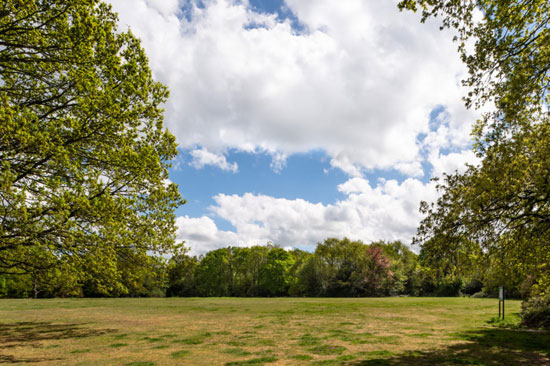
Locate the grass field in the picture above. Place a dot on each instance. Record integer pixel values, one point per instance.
(291, 331)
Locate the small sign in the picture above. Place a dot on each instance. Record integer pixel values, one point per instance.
(501, 293)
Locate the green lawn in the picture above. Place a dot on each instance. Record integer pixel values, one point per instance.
(289, 331)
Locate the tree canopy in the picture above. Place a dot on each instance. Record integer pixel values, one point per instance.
(498, 212)
(83, 150)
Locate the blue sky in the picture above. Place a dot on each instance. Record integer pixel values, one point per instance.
(308, 176)
(299, 120)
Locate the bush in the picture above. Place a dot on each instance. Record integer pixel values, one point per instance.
(479, 295)
(535, 312)
(526, 287)
(449, 286)
(473, 286)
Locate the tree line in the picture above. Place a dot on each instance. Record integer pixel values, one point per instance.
(337, 268)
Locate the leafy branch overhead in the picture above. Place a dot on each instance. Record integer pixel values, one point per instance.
(83, 151)
(499, 210)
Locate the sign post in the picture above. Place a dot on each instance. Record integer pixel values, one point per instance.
(501, 300)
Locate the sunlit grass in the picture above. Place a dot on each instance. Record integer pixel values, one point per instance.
(291, 331)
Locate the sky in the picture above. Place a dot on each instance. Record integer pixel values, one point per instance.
(300, 120)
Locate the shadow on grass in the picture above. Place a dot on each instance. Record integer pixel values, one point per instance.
(482, 347)
(29, 334)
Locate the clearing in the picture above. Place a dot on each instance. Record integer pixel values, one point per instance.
(270, 331)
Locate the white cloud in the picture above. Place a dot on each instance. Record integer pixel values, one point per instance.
(203, 231)
(278, 161)
(345, 164)
(386, 211)
(359, 84)
(165, 7)
(453, 162)
(411, 169)
(202, 157)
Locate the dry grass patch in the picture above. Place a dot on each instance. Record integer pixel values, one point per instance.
(228, 331)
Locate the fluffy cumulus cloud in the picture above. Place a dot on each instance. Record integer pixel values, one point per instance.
(202, 157)
(370, 86)
(358, 80)
(201, 234)
(386, 211)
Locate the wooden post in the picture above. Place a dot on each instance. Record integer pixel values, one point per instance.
(501, 300)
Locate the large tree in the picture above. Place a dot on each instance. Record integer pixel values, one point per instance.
(83, 150)
(499, 211)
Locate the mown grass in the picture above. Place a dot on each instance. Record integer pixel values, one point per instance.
(295, 331)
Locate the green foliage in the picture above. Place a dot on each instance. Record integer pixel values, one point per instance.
(249, 264)
(275, 278)
(297, 273)
(310, 278)
(213, 274)
(535, 312)
(336, 268)
(472, 287)
(449, 286)
(144, 276)
(181, 269)
(407, 275)
(343, 265)
(83, 151)
(496, 215)
(509, 61)
(15, 286)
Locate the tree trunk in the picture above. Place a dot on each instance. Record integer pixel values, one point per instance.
(35, 288)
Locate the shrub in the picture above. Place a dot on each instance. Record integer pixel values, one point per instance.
(449, 286)
(526, 287)
(473, 286)
(535, 312)
(479, 295)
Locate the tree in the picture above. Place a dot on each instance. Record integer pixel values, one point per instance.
(83, 151)
(375, 277)
(311, 277)
(499, 210)
(242, 265)
(341, 261)
(181, 270)
(143, 275)
(406, 271)
(213, 274)
(298, 285)
(275, 280)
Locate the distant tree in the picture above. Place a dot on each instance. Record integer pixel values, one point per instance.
(376, 276)
(275, 280)
(297, 281)
(342, 260)
(338, 267)
(311, 278)
(83, 151)
(242, 265)
(181, 271)
(15, 286)
(255, 264)
(144, 276)
(213, 275)
(405, 268)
